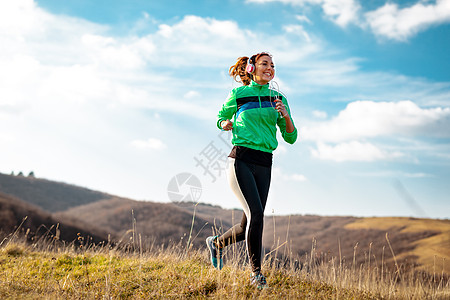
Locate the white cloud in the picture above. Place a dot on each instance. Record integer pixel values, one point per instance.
(349, 82)
(281, 175)
(352, 151)
(27, 29)
(192, 95)
(393, 174)
(151, 143)
(47, 57)
(341, 12)
(113, 53)
(198, 41)
(298, 177)
(207, 42)
(299, 30)
(64, 70)
(365, 119)
(57, 62)
(388, 21)
(303, 19)
(324, 72)
(417, 175)
(400, 24)
(49, 61)
(320, 114)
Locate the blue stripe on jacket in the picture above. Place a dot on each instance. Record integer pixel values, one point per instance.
(251, 105)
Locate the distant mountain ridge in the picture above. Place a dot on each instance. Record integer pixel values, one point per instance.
(49, 195)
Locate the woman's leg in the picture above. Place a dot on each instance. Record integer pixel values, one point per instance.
(237, 232)
(233, 235)
(251, 184)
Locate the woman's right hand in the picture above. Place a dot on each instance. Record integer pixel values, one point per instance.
(226, 125)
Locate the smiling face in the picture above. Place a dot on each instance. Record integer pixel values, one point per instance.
(264, 70)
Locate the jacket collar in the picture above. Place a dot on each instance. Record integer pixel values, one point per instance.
(255, 84)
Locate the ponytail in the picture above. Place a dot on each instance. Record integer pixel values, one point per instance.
(238, 70)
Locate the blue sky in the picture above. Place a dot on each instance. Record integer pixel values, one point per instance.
(122, 96)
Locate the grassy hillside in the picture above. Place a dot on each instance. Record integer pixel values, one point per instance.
(428, 240)
(416, 243)
(420, 244)
(49, 195)
(423, 248)
(176, 272)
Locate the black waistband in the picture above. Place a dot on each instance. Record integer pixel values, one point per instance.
(252, 156)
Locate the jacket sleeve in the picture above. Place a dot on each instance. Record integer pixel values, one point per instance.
(228, 109)
(289, 137)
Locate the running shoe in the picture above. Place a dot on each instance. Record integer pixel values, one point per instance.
(259, 281)
(216, 254)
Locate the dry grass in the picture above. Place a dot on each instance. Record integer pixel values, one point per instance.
(50, 269)
(164, 273)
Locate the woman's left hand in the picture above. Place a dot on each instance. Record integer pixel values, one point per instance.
(279, 106)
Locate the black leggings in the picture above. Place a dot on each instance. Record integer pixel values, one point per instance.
(251, 184)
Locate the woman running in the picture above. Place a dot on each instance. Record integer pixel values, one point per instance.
(252, 111)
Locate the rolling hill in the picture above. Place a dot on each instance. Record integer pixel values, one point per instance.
(16, 214)
(158, 223)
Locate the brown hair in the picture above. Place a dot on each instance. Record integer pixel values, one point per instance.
(238, 69)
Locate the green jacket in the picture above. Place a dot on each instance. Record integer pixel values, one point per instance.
(251, 108)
